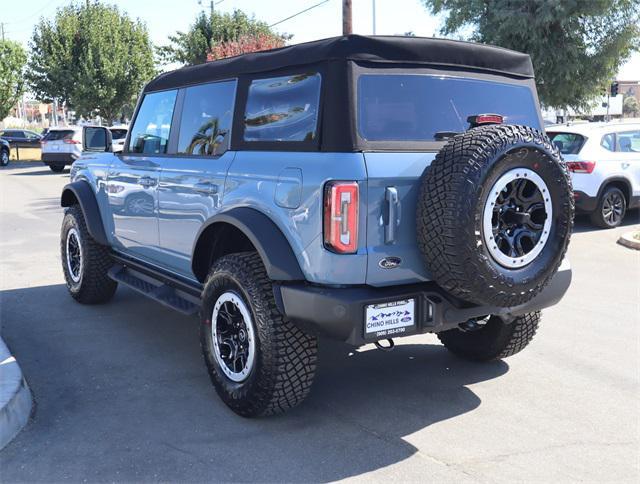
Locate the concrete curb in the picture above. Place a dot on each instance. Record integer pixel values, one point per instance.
(628, 241)
(15, 397)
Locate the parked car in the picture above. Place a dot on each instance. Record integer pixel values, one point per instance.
(604, 161)
(358, 188)
(61, 147)
(21, 138)
(118, 136)
(5, 152)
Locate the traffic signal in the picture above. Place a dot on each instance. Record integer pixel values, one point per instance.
(614, 89)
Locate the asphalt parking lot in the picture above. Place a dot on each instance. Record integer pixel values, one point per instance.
(122, 393)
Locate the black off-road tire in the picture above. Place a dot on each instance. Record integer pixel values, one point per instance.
(56, 167)
(453, 193)
(285, 357)
(494, 341)
(4, 157)
(598, 218)
(94, 286)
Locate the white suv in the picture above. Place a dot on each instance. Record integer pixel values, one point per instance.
(604, 161)
(61, 147)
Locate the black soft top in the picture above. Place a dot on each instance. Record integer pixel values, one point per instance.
(428, 52)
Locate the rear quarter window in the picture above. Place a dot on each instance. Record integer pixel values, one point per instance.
(415, 107)
(567, 143)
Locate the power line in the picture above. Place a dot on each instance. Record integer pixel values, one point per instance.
(299, 13)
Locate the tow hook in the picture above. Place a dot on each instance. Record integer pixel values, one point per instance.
(472, 324)
(382, 347)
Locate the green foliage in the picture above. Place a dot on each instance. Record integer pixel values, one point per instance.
(193, 46)
(91, 56)
(630, 107)
(12, 61)
(576, 46)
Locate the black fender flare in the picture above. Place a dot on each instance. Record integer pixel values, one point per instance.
(272, 246)
(81, 192)
(616, 179)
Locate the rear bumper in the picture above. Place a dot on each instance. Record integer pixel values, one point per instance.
(584, 202)
(58, 158)
(339, 313)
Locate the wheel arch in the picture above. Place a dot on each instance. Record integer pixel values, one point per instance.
(81, 193)
(245, 229)
(619, 182)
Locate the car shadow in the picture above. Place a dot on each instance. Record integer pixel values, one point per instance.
(121, 390)
(582, 222)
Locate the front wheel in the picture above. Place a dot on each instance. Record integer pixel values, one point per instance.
(4, 157)
(493, 340)
(56, 167)
(611, 209)
(259, 362)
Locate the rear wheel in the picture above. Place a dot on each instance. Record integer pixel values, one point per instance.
(494, 339)
(611, 209)
(259, 362)
(4, 157)
(56, 167)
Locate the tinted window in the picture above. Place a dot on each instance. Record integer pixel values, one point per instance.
(608, 142)
(150, 132)
(567, 143)
(206, 119)
(283, 108)
(58, 134)
(117, 133)
(12, 133)
(628, 142)
(426, 108)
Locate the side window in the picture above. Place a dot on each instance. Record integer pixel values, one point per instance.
(283, 108)
(150, 132)
(628, 142)
(609, 142)
(206, 119)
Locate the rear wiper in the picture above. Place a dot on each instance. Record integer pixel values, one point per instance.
(442, 135)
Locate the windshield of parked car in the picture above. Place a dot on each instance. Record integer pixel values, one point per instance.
(412, 107)
(567, 143)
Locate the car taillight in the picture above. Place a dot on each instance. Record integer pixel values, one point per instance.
(581, 166)
(482, 119)
(341, 216)
(71, 141)
(43, 142)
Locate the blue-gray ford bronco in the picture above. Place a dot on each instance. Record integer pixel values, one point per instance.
(357, 188)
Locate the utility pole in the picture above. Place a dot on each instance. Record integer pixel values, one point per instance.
(346, 17)
(2, 28)
(373, 4)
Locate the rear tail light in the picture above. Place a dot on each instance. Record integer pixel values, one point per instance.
(481, 119)
(71, 141)
(341, 217)
(581, 166)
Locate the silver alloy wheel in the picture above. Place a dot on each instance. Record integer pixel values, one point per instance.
(613, 209)
(233, 337)
(4, 161)
(517, 218)
(73, 250)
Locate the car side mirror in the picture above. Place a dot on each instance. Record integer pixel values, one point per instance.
(96, 138)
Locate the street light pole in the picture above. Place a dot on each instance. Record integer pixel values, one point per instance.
(346, 17)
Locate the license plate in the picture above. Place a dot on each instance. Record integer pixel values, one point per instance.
(389, 319)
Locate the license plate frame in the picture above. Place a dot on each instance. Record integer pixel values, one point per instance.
(390, 319)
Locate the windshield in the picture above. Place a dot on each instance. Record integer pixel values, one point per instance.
(413, 107)
(567, 143)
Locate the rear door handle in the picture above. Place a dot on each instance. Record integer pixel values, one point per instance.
(393, 214)
(206, 188)
(147, 181)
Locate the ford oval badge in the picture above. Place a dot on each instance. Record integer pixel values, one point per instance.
(390, 262)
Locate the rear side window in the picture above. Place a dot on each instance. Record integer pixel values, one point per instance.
(414, 107)
(283, 108)
(608, 142)
(150, 132)
(206, 119)
(628, 142)
(567, 143)
(58, 135)
(118, 133)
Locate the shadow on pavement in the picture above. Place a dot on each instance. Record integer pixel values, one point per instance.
(122, 394)
(582, 222)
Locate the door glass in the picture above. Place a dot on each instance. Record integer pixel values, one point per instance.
(282, 108)
(629, 142)
(206, 119)
(150, 133)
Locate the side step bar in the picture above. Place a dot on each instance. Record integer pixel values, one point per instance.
(182, 298)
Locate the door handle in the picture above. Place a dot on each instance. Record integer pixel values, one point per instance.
(393, 214)
(147, 181)
(206, 188)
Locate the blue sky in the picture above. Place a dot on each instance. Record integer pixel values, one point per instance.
(164, 17)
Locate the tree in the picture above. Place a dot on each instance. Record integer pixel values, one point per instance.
(211, 29)
(243, 45)
(576, 46)
(92, 57)
(12, 61)
(630, 107)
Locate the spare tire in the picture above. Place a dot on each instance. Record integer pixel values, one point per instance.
(495, 214)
